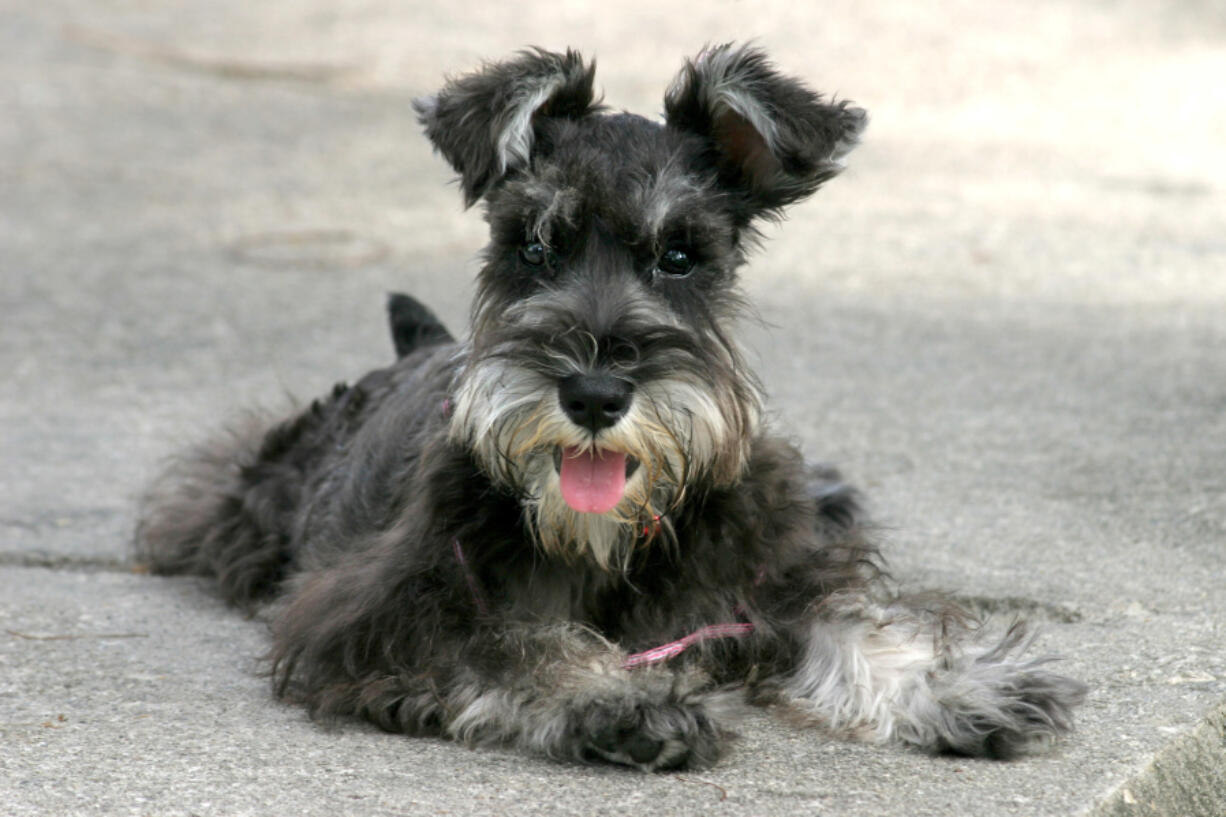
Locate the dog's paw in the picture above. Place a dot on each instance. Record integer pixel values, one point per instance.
(1031, 708)
(651, 736)
(996, 705)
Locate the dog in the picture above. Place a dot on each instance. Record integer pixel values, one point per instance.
(572, 532)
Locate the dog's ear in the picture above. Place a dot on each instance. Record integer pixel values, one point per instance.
(483, 122)
(776, 141)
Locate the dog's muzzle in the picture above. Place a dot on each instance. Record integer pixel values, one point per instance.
(594, 480)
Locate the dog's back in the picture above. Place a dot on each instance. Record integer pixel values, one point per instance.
(262, 497)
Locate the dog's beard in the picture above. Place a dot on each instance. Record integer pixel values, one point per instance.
(677, 434)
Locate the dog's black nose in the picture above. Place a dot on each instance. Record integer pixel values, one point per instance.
(594, 401)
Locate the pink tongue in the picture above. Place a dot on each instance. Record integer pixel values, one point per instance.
(593, 483)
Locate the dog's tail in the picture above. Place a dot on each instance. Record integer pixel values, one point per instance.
(224, 510)
(413, 324)
(227, 508)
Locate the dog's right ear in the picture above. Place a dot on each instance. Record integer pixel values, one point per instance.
(483, 122)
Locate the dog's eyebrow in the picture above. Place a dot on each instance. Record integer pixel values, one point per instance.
(676, 206)
(560, 214)
(664, 192)
(696, 226)
(544, 205)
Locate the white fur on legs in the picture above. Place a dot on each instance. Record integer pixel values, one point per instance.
(856, 666)
(895, 674)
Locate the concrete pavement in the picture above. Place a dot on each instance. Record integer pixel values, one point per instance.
(1005, 321)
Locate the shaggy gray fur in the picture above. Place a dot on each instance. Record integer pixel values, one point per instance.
(435, 569)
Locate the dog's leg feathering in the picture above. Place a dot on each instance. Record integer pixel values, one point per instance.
(557, 690)
(893, 674)
(566, 695)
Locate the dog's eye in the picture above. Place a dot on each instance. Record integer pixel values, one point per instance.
(675, 262)
(534, 253)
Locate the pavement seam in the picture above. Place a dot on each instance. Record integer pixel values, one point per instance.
(1186, 778)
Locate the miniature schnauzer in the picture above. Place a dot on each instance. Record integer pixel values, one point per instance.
(572, 532)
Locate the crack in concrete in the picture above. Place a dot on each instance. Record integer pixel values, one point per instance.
(1187, 777)
(315, 73)
(63, 561)
(1021, 606)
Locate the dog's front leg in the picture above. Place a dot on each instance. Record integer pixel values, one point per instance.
(905, 674)
(561, 691)
(554, 689)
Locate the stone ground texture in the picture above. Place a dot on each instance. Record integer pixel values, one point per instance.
(1006, 321)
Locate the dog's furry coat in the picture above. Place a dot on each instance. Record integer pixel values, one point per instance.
(473, 541)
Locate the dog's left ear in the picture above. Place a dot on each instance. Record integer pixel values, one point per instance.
(776, 141)
(484, 122)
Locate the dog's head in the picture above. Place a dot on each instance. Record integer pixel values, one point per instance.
(600, 381)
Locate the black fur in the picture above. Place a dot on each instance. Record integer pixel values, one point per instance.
(413, 325)
(435, 575)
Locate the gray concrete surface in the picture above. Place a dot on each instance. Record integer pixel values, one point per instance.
(1007, 322)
